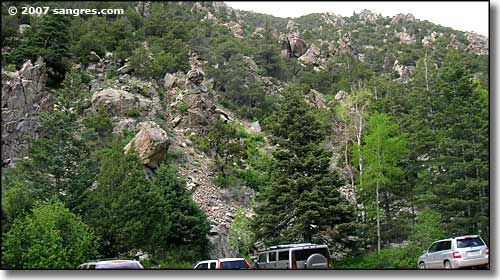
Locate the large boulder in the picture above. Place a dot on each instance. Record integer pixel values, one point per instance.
(311, 56)
(23, 98)
(316, 99)
(121, 103)
(297, 45)
(151, 144)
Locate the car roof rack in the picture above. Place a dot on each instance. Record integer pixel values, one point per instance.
(111, 259)
(284, 246)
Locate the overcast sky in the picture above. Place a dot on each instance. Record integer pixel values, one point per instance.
(464, 16)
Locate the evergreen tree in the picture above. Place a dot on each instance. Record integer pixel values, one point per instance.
(227, 146)
(49, 39)
(185, 238)
(302, 199)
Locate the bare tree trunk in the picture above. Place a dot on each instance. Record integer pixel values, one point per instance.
(378, 220)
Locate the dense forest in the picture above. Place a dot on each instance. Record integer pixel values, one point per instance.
(182, 131)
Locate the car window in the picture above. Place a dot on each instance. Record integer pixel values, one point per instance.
(283, 256)
(118, 265)
(272, 256)
(262, 258)
(303, 255)
(469, 242)
(91, 266)
(433, 248)
(202, 266)
(212, 265)
(444, 245)
(239, 264)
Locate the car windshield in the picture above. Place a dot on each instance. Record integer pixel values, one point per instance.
(118, 265)
(303, 255)
(241, 264)
(469, 242)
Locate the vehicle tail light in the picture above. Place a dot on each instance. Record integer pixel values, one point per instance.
(249, 266)
(330, 263)
(294, 265)
(487, 251)
(456, 255)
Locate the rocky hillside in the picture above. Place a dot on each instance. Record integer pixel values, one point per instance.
(203, 88)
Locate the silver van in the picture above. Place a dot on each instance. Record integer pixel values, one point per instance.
(294, 256)
(458, 252)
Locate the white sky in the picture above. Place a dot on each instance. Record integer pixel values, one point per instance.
(463, 16)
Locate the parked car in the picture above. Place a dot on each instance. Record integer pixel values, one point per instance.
(111, 264)
(294, 256)
(209, 264)
(458, 252)
(233, 263)
(226, 263)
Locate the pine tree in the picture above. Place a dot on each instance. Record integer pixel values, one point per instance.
(185, 238)
(302, 199)
(49, 39)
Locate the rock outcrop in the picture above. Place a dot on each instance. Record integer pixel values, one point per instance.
(311, 56)
(405, 72)
(367, 17)
(478, 43)
(345, 46)
(23, 98)
(429, 41)
(453, 42)
(119, 102)
(407, 39)
(401, 18)
(151, 144)
(235, 29)
(332, 19)
(316, 99)
(292, 44)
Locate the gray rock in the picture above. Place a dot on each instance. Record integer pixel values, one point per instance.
(311, 56)
(151, 144)
(23, 28)
(120, 103)
(93, 57)
(23, 98)
(169, 81)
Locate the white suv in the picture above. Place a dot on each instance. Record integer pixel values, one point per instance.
(458, 252)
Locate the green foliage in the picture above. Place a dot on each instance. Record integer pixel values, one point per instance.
(131, 212)
(228, 149)
(427, 228)
(50, 238)
(50, 40)
(186, 237)
(301, 199)
(402, 258)
(240, 235)
(182, 107)
(382, 154)
(58, 163)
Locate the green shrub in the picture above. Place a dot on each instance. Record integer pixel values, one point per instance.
(182, 107)
(402, 258)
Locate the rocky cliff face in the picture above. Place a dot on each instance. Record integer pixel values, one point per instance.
(478, 44)
(24, 97)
